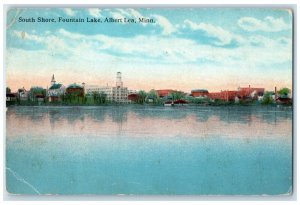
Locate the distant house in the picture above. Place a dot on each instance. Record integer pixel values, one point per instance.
(40, 98)
(37, 94)
(180, 102)
(11, 97)
(23, 94)
(223, 95)
(55, 92)
(165, 92)
(199, 93)
(133, 97)
(250, 93)
(284, 100)
(246, 93)
(75, 90)
(75, 93)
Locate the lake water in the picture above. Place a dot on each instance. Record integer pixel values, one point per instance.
(149, 150)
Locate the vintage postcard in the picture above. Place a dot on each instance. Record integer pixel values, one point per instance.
(149, 101)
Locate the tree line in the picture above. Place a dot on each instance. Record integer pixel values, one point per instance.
(38, 95)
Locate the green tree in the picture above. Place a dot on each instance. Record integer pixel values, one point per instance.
(284, 92)
(96, 97)
(67, 98)
(74, 97)
(152, 94)
(102, 96)
(267, 99)
(202, 100)
(34, 91)
(99, 98)
(8, 90)
(142, 96)
(177, 95)
(77, 97)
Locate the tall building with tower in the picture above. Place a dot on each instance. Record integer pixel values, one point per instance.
(55, 91)
(118, 93)
(53, 80)
(119, 83)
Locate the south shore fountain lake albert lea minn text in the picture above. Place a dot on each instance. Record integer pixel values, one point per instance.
(83, 20)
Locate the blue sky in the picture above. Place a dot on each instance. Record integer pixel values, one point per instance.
(212, 48)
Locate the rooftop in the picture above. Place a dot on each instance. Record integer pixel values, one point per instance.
(55, 86)
(200, 90)
(74, 85)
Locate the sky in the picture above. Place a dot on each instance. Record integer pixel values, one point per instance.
(186, 48)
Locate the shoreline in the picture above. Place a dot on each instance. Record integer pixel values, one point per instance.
(160, 105)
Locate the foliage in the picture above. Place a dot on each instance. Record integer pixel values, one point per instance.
(200, 100)
(267, 99)
(38, 90)
(34, 91)
(284, 92)
(177, 95)
(142, 95)
(96, 98)
(99, 98)
(152, 94)
(74, 98)
(8, 90)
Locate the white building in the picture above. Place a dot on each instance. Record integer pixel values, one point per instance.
(89, 89)
(117, 94)
(107, 90)
(55, 91)
(132, 92)
(120, 94)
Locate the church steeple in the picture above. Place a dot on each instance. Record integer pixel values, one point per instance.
(53, 80)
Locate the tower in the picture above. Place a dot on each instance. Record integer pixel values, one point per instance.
(119, 83)
(53, 80)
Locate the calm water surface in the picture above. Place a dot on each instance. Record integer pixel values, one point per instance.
(149, 150)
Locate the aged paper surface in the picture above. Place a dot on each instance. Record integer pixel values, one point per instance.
(185, 101)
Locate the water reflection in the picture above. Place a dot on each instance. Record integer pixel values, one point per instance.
(118, 114)
(149, 121)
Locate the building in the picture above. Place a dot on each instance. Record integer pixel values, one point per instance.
(250, 93)
(223, 95)
(23, 94)
(56, 91)
(75, 90)
(90, 89)
(164, 92)
(74, 94)
(199, 93)
(37, 94)
(118, 94)
(107, 90)
(40, 98)
(133, 97)
(132, 92)
(246, 93)
(11, 97)
(286, 100)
